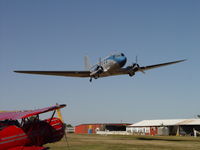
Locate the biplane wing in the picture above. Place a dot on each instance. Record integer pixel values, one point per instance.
(27, 113)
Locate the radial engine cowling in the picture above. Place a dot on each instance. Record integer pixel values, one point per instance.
(46, 131)
(98, 70)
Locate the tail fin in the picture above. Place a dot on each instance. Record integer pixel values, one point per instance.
(87, 63)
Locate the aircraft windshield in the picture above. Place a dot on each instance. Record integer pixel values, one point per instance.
(119, 55)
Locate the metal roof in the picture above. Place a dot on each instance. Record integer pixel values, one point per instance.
(166, 122)
(117, 124)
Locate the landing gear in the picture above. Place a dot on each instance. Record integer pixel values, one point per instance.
(95, 77)
(131, 74)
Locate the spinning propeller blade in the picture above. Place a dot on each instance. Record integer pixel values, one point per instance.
(136, 65)
(136, 59)
(60, 117)
(100, 61)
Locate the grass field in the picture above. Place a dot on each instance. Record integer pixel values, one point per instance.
(117, 142)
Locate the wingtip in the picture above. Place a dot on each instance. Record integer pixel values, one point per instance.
(17, 71)
(60, 105)
(182, 60)
(63, 105)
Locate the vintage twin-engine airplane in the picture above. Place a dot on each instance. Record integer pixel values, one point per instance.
(31, 133)
(109, 66)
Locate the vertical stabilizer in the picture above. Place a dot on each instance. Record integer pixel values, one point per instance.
(86, 63)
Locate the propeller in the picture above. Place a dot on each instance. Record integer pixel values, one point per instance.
(135, 66)
(99, 61)
(59, 115)
(136, 58)
(97, 71)
(100, 68)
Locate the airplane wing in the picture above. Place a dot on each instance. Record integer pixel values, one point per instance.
(59, 73)
(160, 65)
(120, 71)
(27, 113)
(126, 70)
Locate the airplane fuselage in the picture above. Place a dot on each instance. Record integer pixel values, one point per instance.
(108, 65)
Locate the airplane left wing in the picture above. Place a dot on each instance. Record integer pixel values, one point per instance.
(59, 73)
(160, 65)
(133, 69)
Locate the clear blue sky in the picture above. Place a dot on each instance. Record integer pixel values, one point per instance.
(55, 35)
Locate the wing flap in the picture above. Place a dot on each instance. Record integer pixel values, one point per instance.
(59, 73)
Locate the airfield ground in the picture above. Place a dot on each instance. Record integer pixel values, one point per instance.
(117, 142)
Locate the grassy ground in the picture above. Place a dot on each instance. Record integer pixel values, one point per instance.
(117, 142)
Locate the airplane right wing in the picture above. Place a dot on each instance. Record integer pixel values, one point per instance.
(59, 73)
(160, 65)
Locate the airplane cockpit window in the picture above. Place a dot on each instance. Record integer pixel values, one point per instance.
(118, 55)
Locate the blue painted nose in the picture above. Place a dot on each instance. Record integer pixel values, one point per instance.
(122, 61)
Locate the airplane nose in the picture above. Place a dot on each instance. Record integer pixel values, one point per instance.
(58, 129)
(122, 61)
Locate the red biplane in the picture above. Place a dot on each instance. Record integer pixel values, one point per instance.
(31, 132)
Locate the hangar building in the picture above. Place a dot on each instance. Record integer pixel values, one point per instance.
(93, 128)
(165, 127)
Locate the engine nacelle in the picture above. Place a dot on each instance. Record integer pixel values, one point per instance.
(132, 69)
(95, 73)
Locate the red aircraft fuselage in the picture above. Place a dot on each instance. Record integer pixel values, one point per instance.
(33, 133)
